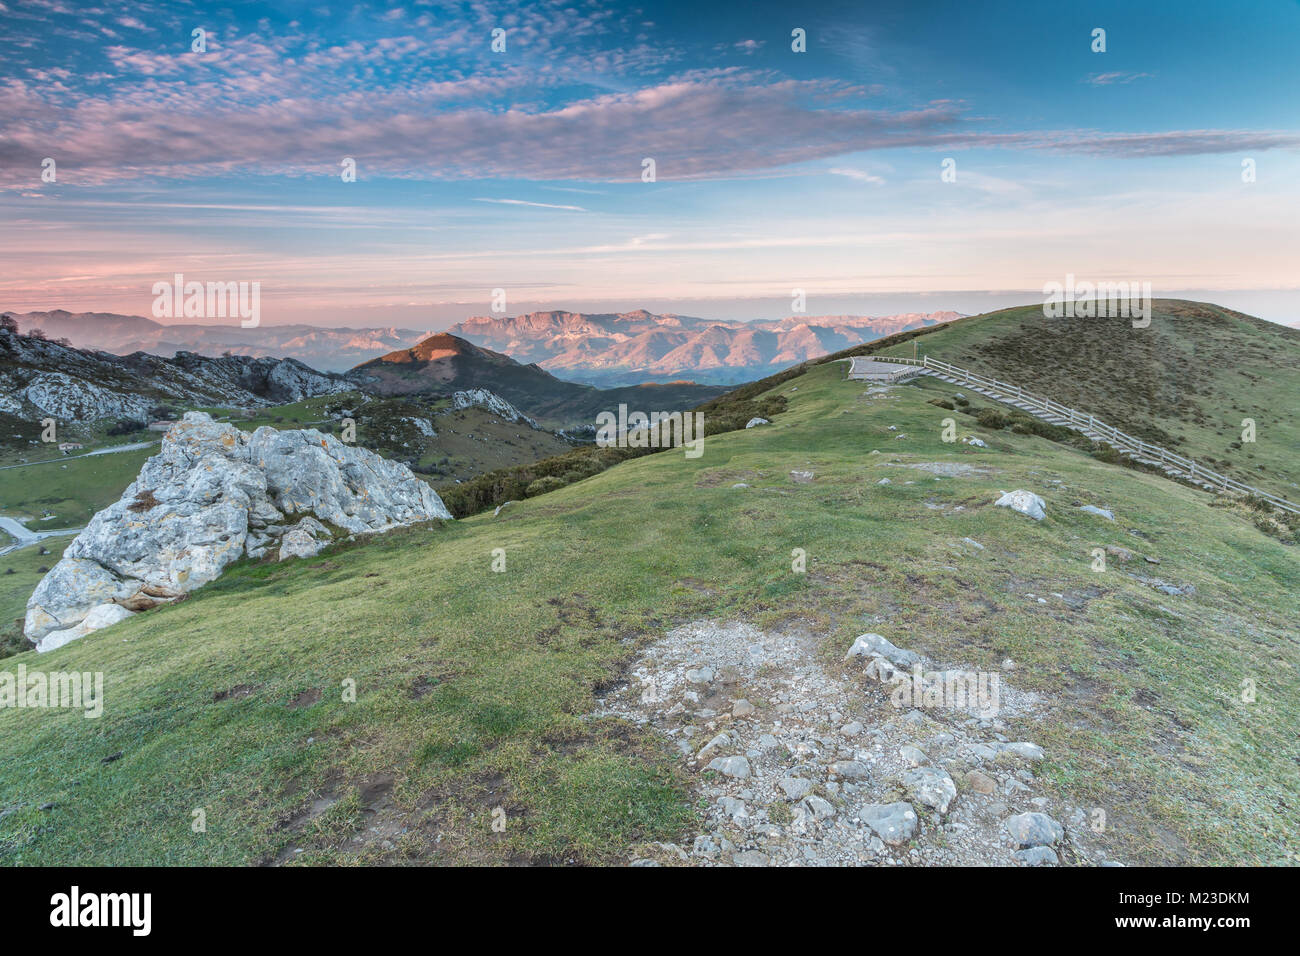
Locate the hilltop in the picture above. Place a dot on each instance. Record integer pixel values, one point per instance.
(444, 362)
(1186, 382)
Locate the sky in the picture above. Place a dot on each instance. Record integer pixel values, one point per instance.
(522, 169)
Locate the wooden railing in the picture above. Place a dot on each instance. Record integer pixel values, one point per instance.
(1086, 422)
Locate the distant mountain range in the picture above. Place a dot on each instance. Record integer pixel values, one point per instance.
(443, 363)
(640, 346)
(603, 349)
(330, 350)
(41, 377)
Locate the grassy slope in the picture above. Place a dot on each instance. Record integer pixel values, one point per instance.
(16, 588)
(472, 685)
(72, 489)
(1186, 382)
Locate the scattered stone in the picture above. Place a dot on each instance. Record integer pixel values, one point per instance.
(974, 544)
(913, 756)
(894, 823)
(1100, 512)
(1034, 829)
(1036, 856)
(700, 675)
(796, 788)
(704, 847)
(868, 645)
(751, 858)
(850, 770)
(883, 481)
(1022, 748)
(981, 783)
(499, 507)
(931, 787)
(754, 422)
(736, 766)
(1023, 502)
(820, 808)
(742, 708)
(733, 808)
(851, 729)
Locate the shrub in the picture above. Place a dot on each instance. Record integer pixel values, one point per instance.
(992, 418)
(542, 485)
(125, 426)
(725, 413)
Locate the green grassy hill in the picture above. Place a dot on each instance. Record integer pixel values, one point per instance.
(473, 688)
(1186, 382)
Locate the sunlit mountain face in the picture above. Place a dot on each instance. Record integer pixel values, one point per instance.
(641, 346)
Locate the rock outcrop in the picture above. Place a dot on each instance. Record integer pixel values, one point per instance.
(491, 401)
(211, 496)
(39, 378)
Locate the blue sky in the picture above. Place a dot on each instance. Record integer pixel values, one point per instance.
(522, 169)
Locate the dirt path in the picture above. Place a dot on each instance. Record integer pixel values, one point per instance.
(800, 764)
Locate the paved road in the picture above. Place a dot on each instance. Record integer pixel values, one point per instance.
(24, 537)
(133, 446)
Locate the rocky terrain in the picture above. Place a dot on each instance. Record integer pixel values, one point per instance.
(40, 378)
(329, 349)
(798, 763)
(482, 398)
(211, 496)
(639, 346)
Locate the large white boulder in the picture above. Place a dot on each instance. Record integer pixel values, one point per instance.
(211, 496)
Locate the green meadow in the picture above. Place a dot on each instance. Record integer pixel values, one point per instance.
(377, 703)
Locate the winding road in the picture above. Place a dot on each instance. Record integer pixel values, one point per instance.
(24, 537)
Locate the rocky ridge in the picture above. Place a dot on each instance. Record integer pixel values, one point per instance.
(482, 398)
(40, 378)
